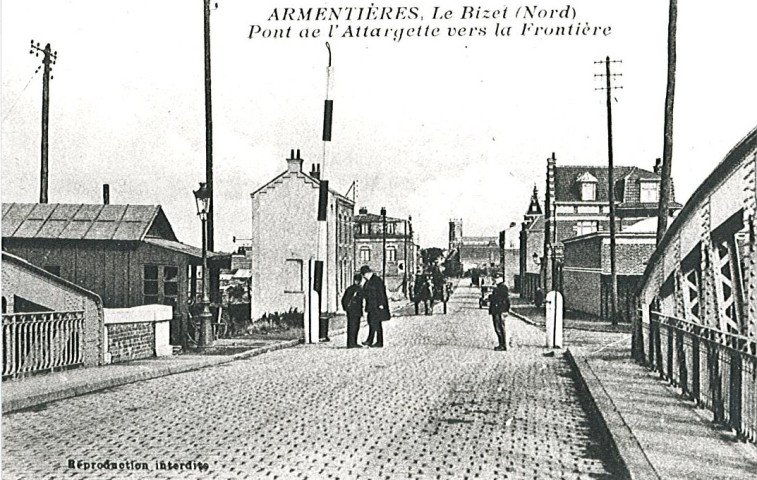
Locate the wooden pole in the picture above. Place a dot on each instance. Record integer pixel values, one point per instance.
(667, 146)
(208, 129)
(611, 199)
(48, 58)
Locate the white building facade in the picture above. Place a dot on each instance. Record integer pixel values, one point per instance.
(286, 238)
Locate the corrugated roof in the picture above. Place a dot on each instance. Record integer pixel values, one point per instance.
(59, 221)
(187, 249)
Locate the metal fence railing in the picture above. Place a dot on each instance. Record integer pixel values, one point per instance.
(34, 342)
(716, 369)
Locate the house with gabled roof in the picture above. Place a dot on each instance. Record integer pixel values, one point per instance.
(127, 254)
(286, 240)
(577, 204)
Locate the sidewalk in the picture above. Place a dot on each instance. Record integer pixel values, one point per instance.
(657, 433)
(34, 391)
(37, 390)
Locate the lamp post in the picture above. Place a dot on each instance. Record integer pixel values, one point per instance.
(558, 257)
(404, 259)
(383, 243)
(202, 197)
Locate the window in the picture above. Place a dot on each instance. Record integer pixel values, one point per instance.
(391, 254)
(150, 284)
(293, 276)
(365, 228)
(649, 192)
(585, 227)
(390, 228)
(365, 254)
(156, 276)
(588, 191)
(171, 281)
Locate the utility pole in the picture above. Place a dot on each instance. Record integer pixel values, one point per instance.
(383, 243)
(611, 188)
(48, 58)
(404, 270)
(208, 129)
(667, 145)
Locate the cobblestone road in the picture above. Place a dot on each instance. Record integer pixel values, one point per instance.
(436, 402)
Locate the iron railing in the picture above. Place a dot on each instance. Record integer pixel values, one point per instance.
(34, 342)
(716, 369)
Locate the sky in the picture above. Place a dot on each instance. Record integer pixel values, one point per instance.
(434, 127)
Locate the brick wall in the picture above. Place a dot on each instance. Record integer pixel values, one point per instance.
(631, 259)
(583, 253)
(131, 341)
(582, 291)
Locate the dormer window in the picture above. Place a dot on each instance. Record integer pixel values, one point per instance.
(649, 192)
(587, 184)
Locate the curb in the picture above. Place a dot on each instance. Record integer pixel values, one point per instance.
(630, 455)
(525, 319)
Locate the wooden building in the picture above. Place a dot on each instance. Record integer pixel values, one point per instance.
(127, 254)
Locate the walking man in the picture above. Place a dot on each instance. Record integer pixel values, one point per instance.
(376, 304)
(499, 306)
(352, 302)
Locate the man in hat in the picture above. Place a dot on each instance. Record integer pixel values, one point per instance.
(499, 307)
(352, 302)
(376, 304)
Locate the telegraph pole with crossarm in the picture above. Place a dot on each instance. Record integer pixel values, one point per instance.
(611, 184)
(48, 58)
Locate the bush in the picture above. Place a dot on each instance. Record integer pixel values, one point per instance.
(275, 322)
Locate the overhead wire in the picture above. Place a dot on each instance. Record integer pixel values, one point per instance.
(15, 102)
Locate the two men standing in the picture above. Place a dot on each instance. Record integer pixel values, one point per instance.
(373, 291)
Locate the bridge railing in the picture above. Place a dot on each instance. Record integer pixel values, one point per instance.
(34, 342)
(716, 369)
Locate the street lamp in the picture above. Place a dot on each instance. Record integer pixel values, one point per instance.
(383, 243)
(202, 197)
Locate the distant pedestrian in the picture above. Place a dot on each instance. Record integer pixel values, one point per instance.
(421, 293)
(352, 302)
(499, 308)
(376, 305)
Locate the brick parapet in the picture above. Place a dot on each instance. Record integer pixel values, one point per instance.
(130, 341)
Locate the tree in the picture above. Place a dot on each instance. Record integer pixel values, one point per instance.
(429, 256)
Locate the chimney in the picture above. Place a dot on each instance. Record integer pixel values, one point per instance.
(315, 171)
(294, 164)
(658, 166)
(363, 211)
(106, 194)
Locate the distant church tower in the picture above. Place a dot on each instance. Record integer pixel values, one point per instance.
(455, 233)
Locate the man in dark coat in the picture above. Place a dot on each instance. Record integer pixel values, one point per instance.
(376, 304)
(499, 305)
(352, 302)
